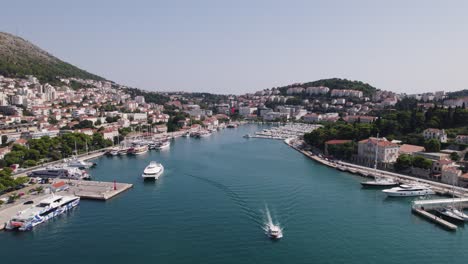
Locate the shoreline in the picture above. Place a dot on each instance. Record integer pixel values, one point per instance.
(439, 188)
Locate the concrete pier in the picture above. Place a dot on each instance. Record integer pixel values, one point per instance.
(96, 190)
(435, 219)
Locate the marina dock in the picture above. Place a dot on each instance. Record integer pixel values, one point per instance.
(433, 218)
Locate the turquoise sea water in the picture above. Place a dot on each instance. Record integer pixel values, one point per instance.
(208, 207)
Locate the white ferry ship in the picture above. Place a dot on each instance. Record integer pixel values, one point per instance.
(48, 208)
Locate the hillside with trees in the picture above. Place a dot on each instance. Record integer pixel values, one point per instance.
(19, 57)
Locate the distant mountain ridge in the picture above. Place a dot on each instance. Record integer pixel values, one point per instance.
(19, 57)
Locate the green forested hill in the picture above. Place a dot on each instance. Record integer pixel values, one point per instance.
(336, 83)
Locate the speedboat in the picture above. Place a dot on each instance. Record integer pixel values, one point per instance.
(163, 145)
(153, 170)
(186, 134)
(46, 209)
(380, 182)
(274, 231)
(75, 162)
(408, 190)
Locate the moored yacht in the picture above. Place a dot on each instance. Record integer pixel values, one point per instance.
(380, 182)
(46, 209)
(408, 190)
(451, 214)
(153, 170)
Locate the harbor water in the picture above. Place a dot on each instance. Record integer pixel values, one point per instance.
(209, 207)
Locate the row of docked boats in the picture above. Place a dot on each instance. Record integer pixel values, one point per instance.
(139, 147)
(448, 212)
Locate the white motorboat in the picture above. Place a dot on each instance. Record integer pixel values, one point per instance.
(274, 231)
(153, 170)
(408, 190)
(75, 162)
(46, 209)
(186, 134)
(163, 145)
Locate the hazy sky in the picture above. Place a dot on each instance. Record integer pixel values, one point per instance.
(243, 46)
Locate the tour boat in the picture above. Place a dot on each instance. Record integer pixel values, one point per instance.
(153, 170)
(408, 190)
(48, 208)
(138, 149)
(274, 231)
(163, 145)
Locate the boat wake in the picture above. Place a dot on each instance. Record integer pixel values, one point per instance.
(251, 214)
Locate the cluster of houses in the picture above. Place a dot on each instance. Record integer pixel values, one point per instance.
(31, 110)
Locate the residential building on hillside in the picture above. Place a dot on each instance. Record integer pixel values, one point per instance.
(462, 139)
(434, 133)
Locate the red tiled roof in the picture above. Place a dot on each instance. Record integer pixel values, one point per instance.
(337, 141)
(407, 148)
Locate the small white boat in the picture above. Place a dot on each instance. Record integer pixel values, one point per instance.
(153, 170)
(48, 208)
(274, 231)
(186, 134)
(408, 190)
